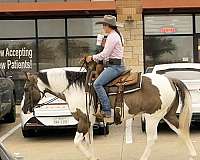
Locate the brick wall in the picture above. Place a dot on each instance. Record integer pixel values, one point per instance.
(132, 32)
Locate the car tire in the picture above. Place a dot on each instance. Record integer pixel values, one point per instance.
(28, 133)
(11, 116)
(104, 130)
(143, 123)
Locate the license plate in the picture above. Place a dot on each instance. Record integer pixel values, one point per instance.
(61, 121)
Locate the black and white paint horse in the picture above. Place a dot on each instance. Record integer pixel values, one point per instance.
(157, 99)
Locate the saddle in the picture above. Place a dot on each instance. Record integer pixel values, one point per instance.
(129, 81)
(125, 83)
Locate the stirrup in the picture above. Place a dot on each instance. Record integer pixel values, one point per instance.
(101, 117)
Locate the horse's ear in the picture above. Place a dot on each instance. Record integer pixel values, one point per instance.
(26, 75)
(82, 59)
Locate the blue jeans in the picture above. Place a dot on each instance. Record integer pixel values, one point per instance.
(110, 73)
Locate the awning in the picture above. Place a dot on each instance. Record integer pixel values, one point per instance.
(38, 7)
(161, 4)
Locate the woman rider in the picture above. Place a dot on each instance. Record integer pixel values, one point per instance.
(113, 54)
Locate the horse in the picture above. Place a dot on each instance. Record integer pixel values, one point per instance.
(158, 98)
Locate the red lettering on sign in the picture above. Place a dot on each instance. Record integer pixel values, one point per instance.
(168, 30)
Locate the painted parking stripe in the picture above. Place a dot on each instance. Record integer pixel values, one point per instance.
(129, 133)
(9, 133)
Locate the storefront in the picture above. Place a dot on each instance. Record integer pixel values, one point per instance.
(43, 34)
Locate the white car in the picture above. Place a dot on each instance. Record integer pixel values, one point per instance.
(51, 113)
(189, 74)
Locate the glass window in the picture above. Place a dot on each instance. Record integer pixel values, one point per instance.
(75, 27)
(78, 47)
(167, 49)
(197, 19)
(52, 53)
(17, 28)
(161, 25)
(51, 27)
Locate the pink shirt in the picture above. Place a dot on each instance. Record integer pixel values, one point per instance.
(113, 48)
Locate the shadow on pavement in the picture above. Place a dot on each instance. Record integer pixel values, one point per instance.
(164, 128)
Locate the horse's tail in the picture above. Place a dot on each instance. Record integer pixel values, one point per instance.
(186, 110)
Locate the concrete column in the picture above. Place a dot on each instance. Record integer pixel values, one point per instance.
(129, 13)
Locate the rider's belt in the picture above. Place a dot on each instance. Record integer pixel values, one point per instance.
(100, 62)
(114, 61)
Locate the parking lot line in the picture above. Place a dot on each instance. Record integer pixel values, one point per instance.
(9, 133)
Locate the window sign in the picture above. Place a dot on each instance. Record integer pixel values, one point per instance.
(17, 55)
(161, 25)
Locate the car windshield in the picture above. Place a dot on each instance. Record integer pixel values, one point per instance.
(149, 70)
(181, 73)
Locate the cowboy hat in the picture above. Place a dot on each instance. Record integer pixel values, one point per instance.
(108, 19)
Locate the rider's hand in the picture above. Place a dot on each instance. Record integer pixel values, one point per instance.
(82, 59)
(89, 59)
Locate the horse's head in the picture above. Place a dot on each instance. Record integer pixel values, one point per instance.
(89, 66)
(31, 80)
(31, 92)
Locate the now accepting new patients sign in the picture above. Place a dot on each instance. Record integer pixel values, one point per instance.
(16, 59)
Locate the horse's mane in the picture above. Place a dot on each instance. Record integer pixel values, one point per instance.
(43, 78)
(74, 75)
(76, 78)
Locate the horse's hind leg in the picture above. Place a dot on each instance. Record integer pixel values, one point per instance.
(151, 132)
(171, 118)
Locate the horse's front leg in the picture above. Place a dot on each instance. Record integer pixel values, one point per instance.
(79, 142)
(84, 135)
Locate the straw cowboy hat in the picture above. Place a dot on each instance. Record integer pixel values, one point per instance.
(108, 19)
